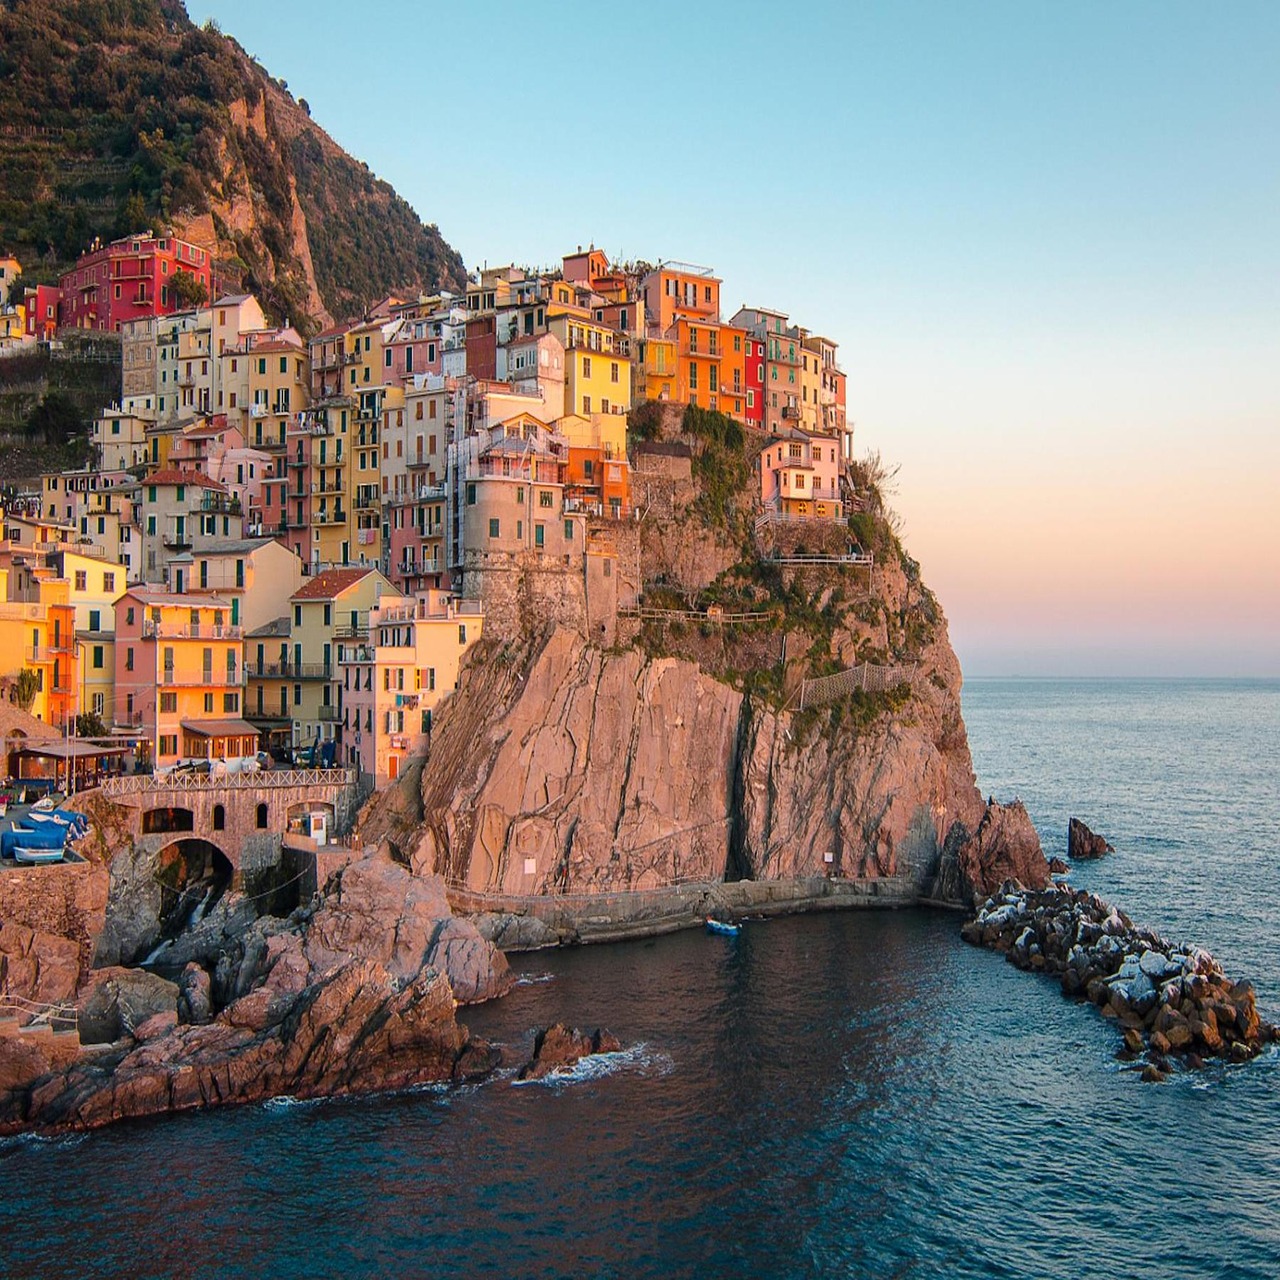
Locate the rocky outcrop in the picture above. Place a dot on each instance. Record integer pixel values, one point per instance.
(1083, 844)
(557, 1048)
(1003, 847)
(116, 1002)
(1167, 999)
(355, 996)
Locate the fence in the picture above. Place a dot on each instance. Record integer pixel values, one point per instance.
(695, 615)
(61, 1015)
(867, 678)
(266, 779)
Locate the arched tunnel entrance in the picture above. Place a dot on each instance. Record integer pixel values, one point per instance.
(193, 874)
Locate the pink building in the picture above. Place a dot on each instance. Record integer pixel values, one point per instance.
(800, 476)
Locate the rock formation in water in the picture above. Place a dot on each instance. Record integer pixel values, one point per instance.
(1167, 999)
(557, 1048)
(356, 995)
(1082, 844)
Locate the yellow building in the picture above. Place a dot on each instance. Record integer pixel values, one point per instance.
(38, 635)
(331, 608)
(597, 364)
(364, 482)
(394, 680)
(655, 369)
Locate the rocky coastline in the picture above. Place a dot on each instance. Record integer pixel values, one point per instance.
(355, 994)
(1170, 1001)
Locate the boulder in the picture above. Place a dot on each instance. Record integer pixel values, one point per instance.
(558, 1047)
(1083, 844)
(195, 996)
(118, 1001)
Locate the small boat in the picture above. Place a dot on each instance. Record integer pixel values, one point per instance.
(34, 856)
(722, 926)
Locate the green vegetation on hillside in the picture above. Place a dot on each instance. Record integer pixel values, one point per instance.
(116, 115)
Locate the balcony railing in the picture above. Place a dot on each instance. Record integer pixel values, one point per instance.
(289, 670)
(329, 713)
(351, 630)
(189, 631)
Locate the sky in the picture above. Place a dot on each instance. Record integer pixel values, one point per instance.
(1045, 236)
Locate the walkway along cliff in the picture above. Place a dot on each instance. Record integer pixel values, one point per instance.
(685, 766)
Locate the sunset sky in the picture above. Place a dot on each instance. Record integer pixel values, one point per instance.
(1047, 239)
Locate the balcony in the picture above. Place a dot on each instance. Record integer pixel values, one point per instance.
(177, 541)
(222, 503)
(791, 412)
(191, 631)
(357, 653)
(329, 517)
(208, 679)
(289, 670)
(352, 629)
(368, 498)
(329, 713)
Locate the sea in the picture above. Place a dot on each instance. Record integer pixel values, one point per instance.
(855, 1094)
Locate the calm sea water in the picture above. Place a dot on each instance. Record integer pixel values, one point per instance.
(853, 1095)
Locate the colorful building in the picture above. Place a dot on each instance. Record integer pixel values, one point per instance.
(179, 675)
(130, 278)
(394, 681)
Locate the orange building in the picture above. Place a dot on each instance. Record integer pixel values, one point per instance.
(674, 289)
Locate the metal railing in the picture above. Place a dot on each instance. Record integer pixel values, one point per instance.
(289, 670)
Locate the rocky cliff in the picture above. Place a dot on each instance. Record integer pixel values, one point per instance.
(683, 752)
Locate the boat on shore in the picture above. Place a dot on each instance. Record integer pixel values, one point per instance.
(34, 857)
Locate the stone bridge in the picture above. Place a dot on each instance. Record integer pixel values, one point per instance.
(244, 816)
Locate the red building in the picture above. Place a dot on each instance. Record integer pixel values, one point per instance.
(42, 312)
(753, 382)
(129, 279)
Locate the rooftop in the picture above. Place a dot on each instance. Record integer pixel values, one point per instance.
(332, 582)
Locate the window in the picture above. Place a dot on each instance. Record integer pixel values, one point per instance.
(539, 535)
(297, 615)
(520, 493)
(95, 620)
(706, 293)
(544, 498)
(208, 704)
(613, 372)
(99, 656)
(262, 817)
(168, 703)
(586, 366)
(328, 615)
(168, 744)
(493, 526)
(219, 818)
(462, 633)
(586, 404)
(128, 659)
(108, 579)
(82, 580)
(231, 702)
(693, 377)
(568, 530)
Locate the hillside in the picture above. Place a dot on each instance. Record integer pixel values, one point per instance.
(116, 115)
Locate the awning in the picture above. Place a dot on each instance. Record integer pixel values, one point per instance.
(72, 751)
(234, 728)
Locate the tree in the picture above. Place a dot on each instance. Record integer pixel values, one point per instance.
(89, 725)
(25, 688)
(132, 217)
(188, 292)
(56, 419)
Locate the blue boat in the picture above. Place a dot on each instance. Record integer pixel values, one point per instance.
(46, 837)
(721, 926)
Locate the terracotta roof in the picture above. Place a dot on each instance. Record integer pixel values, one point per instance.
(332, 582)
(171, 475)
(219, 728)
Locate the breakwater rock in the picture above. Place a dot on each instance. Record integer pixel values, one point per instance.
(1168, 999)
(357, 994)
